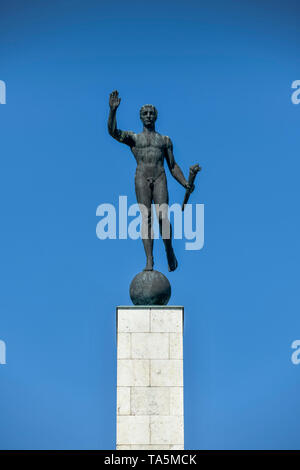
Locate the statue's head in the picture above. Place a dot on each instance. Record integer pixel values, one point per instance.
(148, 114)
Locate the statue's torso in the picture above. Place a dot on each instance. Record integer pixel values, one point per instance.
(149, 152)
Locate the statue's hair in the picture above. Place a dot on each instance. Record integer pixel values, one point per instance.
(149, 106)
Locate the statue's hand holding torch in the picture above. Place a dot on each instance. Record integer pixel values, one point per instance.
(194, 169)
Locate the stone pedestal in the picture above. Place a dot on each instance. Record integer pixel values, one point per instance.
(150, 378)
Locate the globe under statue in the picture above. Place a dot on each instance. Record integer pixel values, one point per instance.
(151, 150)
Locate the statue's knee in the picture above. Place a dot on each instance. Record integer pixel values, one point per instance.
(163, 218)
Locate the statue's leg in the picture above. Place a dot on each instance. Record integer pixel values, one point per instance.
(161, 200)
(144, 198)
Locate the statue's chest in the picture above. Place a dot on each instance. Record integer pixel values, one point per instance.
(146, 143)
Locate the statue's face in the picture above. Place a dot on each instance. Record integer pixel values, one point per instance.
(148, 116)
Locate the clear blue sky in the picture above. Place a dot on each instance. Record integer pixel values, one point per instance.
(220, 74)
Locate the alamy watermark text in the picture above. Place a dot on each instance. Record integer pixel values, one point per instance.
(296, 94)
(2, 352)
(2, 92)
(188, 224)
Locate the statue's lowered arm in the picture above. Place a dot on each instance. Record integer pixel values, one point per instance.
(173, 167)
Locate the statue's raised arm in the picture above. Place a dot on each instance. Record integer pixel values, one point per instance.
(125, 137)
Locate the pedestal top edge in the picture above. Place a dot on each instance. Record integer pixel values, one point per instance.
(156, 307)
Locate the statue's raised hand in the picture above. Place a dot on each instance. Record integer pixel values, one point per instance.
(114, 99)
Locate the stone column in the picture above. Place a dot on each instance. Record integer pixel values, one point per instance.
(150, 378)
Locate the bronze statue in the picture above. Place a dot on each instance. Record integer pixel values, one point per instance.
(150, 149)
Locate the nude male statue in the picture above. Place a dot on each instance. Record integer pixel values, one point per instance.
(150, 149)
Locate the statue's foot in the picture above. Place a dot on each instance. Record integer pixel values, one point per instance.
(172, 261)
(149, 264)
